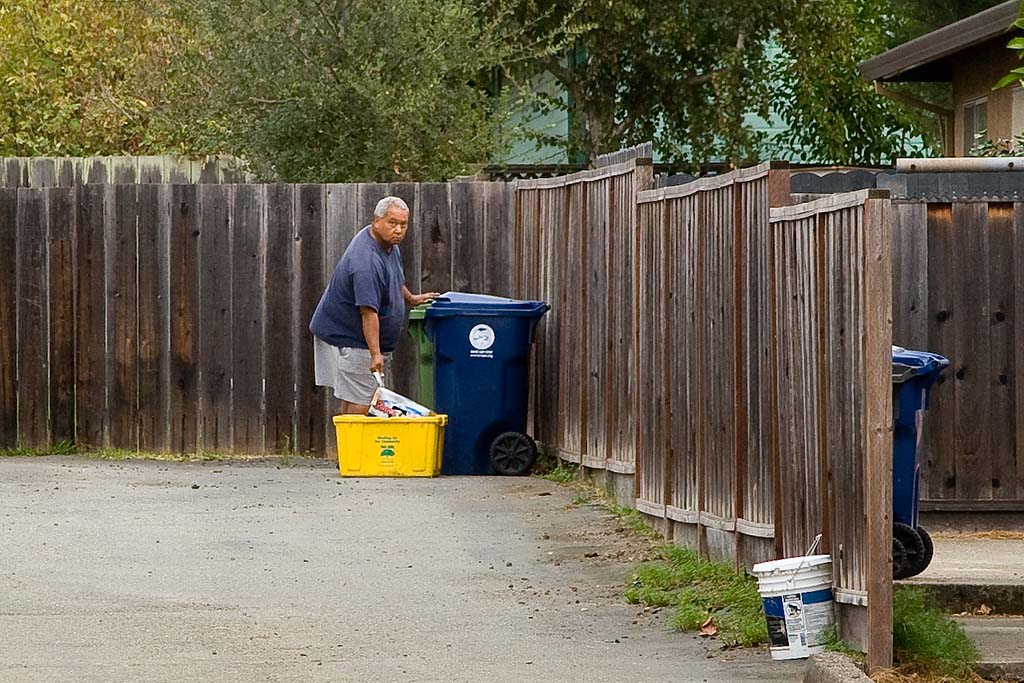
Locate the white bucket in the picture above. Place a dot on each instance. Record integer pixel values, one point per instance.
(797, 596)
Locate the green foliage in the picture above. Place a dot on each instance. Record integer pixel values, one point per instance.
(1003, 147)
(686, 74)
(833, 643)
(922, 16)
(833, 114)
(1016, 75)
(633, 519)
(700, 589)
(562, 473)
(72, 75)
(345, 90)
(926, 639)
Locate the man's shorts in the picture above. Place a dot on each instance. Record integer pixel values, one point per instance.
(346, 370)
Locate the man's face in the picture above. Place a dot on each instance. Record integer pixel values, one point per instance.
(391, 228)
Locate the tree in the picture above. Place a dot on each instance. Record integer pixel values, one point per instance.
(341, 90)
(72, 73)
(688, 73)
(923, 16)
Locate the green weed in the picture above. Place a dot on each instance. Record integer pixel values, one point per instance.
(928, 641)
(64, 447)
(700, 589)
(634, 520)
(833, 643)
(562, 473)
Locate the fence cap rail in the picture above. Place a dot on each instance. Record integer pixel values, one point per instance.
(960, 164)
(587, 176)
(741, 175)
(831, 203)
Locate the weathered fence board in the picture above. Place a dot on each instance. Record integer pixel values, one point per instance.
(279, 322)
(60, 235)
(247, 322)
(90, 337)
(215, 338)
(153, 227)
(32, 288)
(958, 284)
(122, 314)
(183, 300)
(8, 318)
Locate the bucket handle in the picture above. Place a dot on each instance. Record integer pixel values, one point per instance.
(814, 546)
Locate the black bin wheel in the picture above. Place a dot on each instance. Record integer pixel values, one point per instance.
(513, 454)
(914, 560)
(929, 551)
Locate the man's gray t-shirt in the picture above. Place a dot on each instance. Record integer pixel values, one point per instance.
(366, 275)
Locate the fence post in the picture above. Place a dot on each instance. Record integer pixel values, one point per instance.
(877, 342)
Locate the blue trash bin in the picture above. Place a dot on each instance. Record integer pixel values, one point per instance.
(914, 374)
(481, 380)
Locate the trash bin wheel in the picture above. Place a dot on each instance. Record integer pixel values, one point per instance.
(513, 454)
(926, 557)
(913, 551)
(899, 558)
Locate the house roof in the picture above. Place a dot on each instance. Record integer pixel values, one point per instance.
(929, 57)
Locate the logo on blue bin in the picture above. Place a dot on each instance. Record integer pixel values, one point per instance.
(481, 337)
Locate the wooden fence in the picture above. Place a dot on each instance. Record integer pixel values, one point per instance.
(69, 171)
(959, 291)
(832, 305)
(575, 244)
(174, 317)
(688, 342)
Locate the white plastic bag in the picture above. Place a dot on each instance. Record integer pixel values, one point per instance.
(387, 403)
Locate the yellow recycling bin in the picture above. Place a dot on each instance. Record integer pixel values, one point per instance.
(390, 447)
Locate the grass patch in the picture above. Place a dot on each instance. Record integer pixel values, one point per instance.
(833, 643)
(700, 589)
(633, 519)
(120, 454)
(61, 448)
(927, 641)
(562, 473)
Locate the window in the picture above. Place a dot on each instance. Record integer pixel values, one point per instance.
(1018, 112)
(975, 123)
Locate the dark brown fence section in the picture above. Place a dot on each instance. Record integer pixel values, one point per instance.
(576, 247)
(958, 283)
(39, 172)
(174, 317)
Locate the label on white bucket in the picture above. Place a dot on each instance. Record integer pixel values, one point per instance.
(797, 622)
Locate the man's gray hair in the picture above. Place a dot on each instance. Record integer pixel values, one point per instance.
(386, 203)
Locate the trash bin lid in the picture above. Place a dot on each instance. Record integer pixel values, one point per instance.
(907, 364)
(459, 303)
(418, 312)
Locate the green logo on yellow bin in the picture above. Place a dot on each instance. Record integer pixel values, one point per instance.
(387, 453)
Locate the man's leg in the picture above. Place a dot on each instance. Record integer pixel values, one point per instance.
(349, 408)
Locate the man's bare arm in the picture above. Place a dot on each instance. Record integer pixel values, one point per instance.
(371, 332)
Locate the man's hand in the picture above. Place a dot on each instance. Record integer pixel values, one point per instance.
(376, 362)
(417, 299)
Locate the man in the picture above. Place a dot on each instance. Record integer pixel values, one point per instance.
(361, 314)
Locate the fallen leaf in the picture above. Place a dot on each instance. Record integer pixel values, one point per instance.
(984, 610)
(708, 628)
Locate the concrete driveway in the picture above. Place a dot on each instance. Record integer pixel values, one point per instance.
(150, 571)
